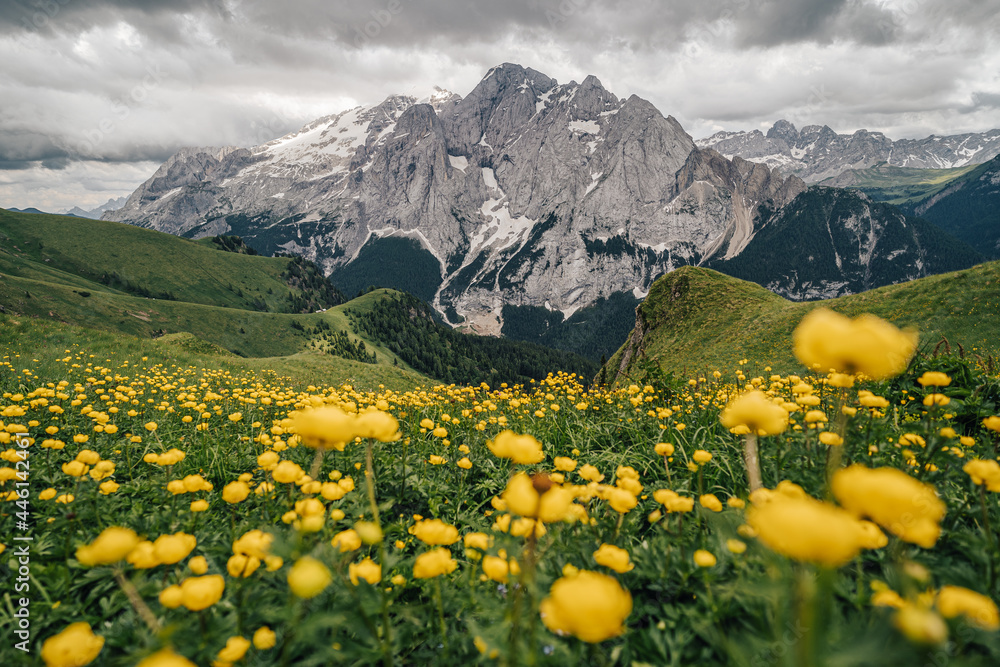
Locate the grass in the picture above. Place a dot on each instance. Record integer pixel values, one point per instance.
(63, 249)
(710, 576)
(702, 319)
(48, 342)
(51, 269)
(899, 185)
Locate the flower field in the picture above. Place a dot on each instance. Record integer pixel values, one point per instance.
(846, 515)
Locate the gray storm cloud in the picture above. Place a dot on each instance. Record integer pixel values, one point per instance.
(117, 86)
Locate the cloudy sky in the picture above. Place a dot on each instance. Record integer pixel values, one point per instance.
(95, 94)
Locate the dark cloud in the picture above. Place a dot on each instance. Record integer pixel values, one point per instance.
(114, 84)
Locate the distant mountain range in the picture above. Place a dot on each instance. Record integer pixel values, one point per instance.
(96, 213)
(528, 194)
(816, 152)
(77, 212)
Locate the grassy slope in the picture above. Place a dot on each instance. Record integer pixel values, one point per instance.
(245, 332)
(701, 320)
(36, 245)
(48, 270)
(49, 341)
(898, 185)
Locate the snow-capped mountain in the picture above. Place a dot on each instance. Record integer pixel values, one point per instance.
(112, 204)
(816, 152)
(526, 192)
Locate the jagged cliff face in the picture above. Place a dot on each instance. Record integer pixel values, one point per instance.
(816, 152)
(526, 192)
(830, 242)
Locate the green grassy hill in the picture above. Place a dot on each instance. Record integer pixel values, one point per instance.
(897, 185)
(49, 342)
(131, 260)
(215, 297)
(697, 320)
(968, 209)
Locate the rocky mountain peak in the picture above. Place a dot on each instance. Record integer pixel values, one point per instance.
(784, 130)
(817, 152)
(525, 192)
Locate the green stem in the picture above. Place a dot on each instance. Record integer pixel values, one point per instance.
(990, 540)
(752, 460)
(440, 610)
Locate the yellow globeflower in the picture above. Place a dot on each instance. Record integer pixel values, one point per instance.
(711, 502)
(537, 497)
(287, 472)
(198, 565)
(327, 427)
(347, 540)
(564, 463)
(920, 625)
(308, 577)
(664, 449)
(172, 597)
(241, 565)
(254, 543)
(754, 411)
(588, 605)
(170, 549)
(980, 610)
(264, 638)
(992, 423)
(590, 473)
(165, 658)
(199, 505)
(984, 472)
(805, 529)
(479, 541)
(498, 569)
(523, 449)
(704, 558)
(111, 546)
(142, 556)
(736, 546)
(622, 500)
(434, 563)
(367, 570)
(830, 438)
(75, 646)
(934, 379)
(75, 468)
(202, 592)
(902, 505)
(378, 425)
(235, 492)
(236, 647)
(435, 532)
(613, 557)
(866, 344)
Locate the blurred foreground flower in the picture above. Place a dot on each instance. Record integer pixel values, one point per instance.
(866, 344)
(588, 605)
(906, 507)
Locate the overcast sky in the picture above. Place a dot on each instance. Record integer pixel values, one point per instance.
(95, 94)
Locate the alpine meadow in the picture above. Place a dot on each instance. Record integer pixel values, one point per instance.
(535, 373)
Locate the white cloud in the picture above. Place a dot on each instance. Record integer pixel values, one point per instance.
(123, 85)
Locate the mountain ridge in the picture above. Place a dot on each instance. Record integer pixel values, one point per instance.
(523, 193)
(816, 152)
